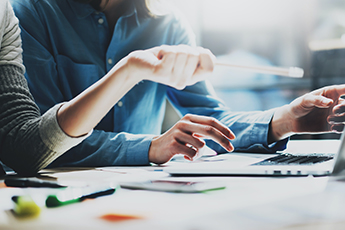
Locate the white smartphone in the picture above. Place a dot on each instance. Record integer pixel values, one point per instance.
(174, 186)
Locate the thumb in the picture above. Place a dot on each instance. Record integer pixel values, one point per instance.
(160, 51)
(318, 101)
(147, 57)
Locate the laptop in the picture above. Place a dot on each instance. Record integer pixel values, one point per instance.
(255, 164)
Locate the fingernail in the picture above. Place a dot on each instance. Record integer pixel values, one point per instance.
(187, 158)
(326, 101)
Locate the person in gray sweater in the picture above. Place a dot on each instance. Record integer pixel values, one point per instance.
(30, 141)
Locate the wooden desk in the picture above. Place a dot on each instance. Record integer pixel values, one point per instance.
(246, 203)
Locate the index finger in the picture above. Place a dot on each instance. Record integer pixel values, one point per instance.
(214, 123)
(338, 89)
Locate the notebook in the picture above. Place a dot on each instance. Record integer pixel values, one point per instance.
(251, 164)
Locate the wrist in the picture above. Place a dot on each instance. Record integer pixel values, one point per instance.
(152, 151)
(125, 67)
(138, 68)
(281, 124)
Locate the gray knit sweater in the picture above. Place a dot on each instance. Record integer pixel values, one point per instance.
(28, 141)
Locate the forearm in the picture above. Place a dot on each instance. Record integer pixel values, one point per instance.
(164, 64)
(252, 132)
(80, 115)
(107, 149)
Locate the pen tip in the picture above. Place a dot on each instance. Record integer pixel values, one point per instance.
(296, 72)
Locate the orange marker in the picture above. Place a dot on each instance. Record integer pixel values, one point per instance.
(112, 217)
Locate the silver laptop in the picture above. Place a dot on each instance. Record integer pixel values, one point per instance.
(264, 164)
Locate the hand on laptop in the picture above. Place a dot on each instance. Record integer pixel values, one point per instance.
(321, 110)
(186, 137)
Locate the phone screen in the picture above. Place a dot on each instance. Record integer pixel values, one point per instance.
(174, 186)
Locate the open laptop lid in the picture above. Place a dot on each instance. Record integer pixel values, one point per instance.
(339, 164)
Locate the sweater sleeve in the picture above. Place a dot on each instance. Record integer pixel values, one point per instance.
(28, 141)
(10, 40)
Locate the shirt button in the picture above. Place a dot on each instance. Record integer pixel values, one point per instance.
(120, 104)
(100, 21)
(110, 61)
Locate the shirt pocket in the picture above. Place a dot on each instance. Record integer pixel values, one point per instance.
(75, 77)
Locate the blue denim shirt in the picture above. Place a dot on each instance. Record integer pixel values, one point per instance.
(68, 46)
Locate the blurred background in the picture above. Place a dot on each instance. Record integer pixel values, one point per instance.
(307, 34)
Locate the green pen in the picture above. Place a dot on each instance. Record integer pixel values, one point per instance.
(73, 195)
(25, 206)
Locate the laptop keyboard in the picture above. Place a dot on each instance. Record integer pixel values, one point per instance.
(286, 159)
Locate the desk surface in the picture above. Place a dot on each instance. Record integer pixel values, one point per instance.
(245, 203)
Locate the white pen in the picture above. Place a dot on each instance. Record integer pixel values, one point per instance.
(287, 72)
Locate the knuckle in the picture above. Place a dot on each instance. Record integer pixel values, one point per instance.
(180, 124)
(164, 47)
(225, 142)
(305, 100)
(209, 130)
(176, 128)
(188, 116)
(193, 56)
(199, 144)
(189, 152)
(182, 54)
(180, 86)
(173, 144)
(183, 46)
(172, 53)
(213, 121)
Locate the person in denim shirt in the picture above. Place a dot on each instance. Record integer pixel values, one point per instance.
(30, 141)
